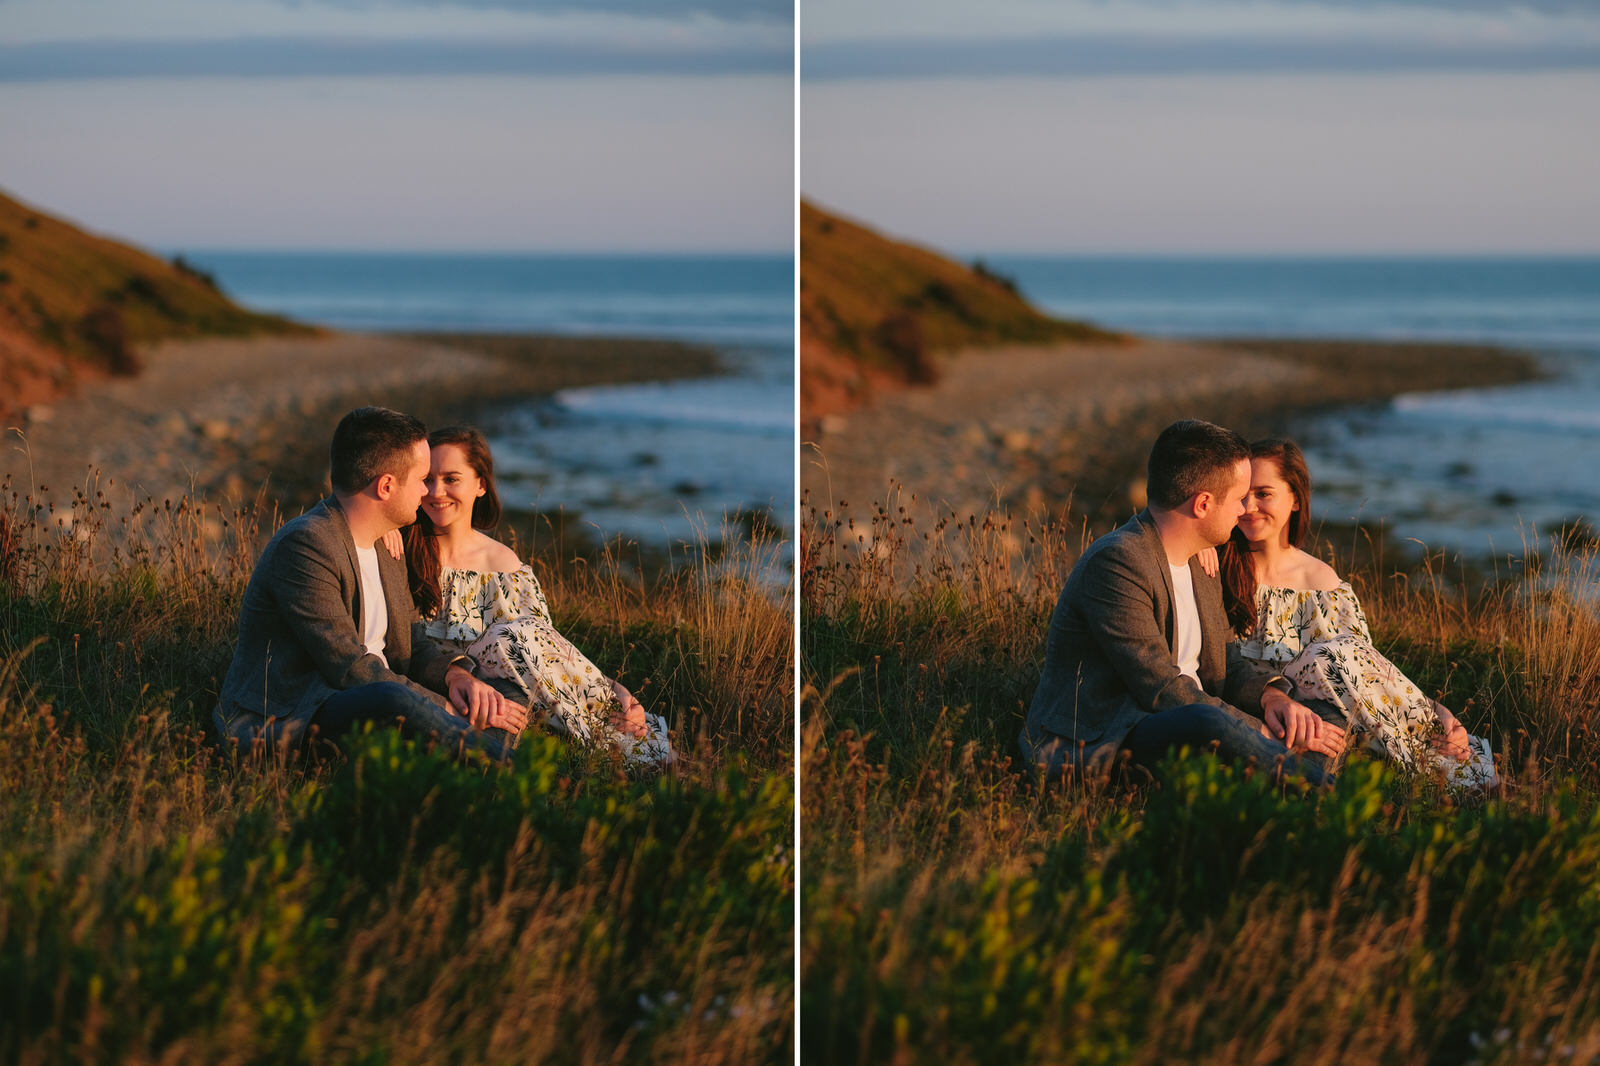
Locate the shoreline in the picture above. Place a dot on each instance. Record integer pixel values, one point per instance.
(241, 420)
(1034, 429)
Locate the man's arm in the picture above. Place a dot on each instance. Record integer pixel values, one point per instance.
(1248, 679)
(429, 662)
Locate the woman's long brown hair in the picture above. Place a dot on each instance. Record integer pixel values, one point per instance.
(422, 537)
(1237, 572)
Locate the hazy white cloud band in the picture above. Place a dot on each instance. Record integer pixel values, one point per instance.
(254, 57)
(1134, 54)
(761, 10)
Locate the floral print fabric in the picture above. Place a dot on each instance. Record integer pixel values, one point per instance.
(1320, 640)
(501, 619)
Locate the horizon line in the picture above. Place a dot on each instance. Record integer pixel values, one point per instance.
(168, 251)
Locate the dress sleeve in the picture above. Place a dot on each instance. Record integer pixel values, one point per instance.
(1347, 613)
(527, 596)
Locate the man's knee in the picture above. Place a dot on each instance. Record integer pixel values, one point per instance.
(386, 698)
(1204, 723)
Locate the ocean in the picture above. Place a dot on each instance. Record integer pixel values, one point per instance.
(1472, 471)
(656, 462)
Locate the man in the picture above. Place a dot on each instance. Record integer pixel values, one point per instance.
(1138, 656)
(328, 635)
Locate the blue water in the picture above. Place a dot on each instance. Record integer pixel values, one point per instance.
(652, 461)
(1478, 470)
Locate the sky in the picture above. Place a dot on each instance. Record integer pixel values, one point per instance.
(1275, 127)
(483, 125)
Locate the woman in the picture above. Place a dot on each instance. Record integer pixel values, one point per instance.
(481, 598)
(1293, 611)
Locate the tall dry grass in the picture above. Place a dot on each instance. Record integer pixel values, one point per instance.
(159, 902)
(952, 913)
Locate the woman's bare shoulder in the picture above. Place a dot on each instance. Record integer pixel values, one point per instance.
(1317, 575)
(495, 556)
(504, 557)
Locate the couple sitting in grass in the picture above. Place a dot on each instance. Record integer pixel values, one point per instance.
(451, 639)
(1148, 651)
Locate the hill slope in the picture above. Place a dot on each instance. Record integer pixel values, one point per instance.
(874, 310)
(74, 306)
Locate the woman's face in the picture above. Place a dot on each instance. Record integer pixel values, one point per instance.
(452, 486)
(1268, 505)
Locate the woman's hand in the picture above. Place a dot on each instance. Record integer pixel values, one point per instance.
(1453, 740)
(1207, 558)
(395, 544)
(630, 722)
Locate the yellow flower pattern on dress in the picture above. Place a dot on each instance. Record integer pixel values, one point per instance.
(1320, 640)
(502, 620)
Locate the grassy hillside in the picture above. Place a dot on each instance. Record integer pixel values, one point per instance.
(873, 308)
(161, 902)
(74, 305)
(951, 915)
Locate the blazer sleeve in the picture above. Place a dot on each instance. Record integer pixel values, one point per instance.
(429, 662)
(313, 605)
(1122, 602)
(1247, 678)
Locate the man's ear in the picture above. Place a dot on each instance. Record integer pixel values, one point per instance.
(1200, 504)
(383, 486)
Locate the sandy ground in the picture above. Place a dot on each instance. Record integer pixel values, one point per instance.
(1030, 429)
(231, 418)
(1010, 425)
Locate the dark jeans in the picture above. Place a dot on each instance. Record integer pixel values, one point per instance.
(1201, 725)
(391, 703)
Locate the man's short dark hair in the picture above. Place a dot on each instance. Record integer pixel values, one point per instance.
(370, 442)
(1191, 457)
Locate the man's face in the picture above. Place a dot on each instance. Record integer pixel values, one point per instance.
(401, 507)
(1226, 509)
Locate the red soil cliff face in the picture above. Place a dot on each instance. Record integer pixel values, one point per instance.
(30, 372)
(76, 307)
(875, 313)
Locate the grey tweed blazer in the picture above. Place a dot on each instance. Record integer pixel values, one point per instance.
(300, 635)
(1109, 657)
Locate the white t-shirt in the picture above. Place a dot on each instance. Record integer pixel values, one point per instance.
(1185, 622)
(374, 613)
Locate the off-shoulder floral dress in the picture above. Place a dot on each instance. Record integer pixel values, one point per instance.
(1319, 639)
(501, 619)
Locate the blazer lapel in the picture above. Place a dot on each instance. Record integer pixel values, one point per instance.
(1158, 559)
(1214, 631)
(342, 522)
(397, 602)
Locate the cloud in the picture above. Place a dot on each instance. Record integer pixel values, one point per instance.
(1147, 54)
(330, 56)
(1540, 7)
(731, 10)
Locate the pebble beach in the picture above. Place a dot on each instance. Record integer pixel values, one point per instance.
(234, 420)
(1036, 430)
